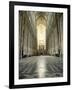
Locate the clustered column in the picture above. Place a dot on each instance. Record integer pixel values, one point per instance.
(55, 38)
(27, 41)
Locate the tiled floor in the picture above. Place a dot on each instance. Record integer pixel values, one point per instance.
(40, 67)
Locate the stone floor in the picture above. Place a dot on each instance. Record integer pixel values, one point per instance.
(40, 67)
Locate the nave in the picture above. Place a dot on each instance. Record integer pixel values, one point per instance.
(40, 44)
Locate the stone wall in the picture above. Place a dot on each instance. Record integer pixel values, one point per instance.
(55, 38)
(27, 40)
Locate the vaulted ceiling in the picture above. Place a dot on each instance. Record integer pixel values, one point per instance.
(48, 16)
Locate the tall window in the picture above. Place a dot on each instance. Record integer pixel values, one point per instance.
(41, 32)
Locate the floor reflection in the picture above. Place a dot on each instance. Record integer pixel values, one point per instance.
(40, 67)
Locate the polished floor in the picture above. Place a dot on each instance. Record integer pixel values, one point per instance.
(40, 67)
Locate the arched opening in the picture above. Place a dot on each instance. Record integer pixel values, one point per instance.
(41, 34)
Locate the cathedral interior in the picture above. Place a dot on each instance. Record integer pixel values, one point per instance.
(40, 44)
